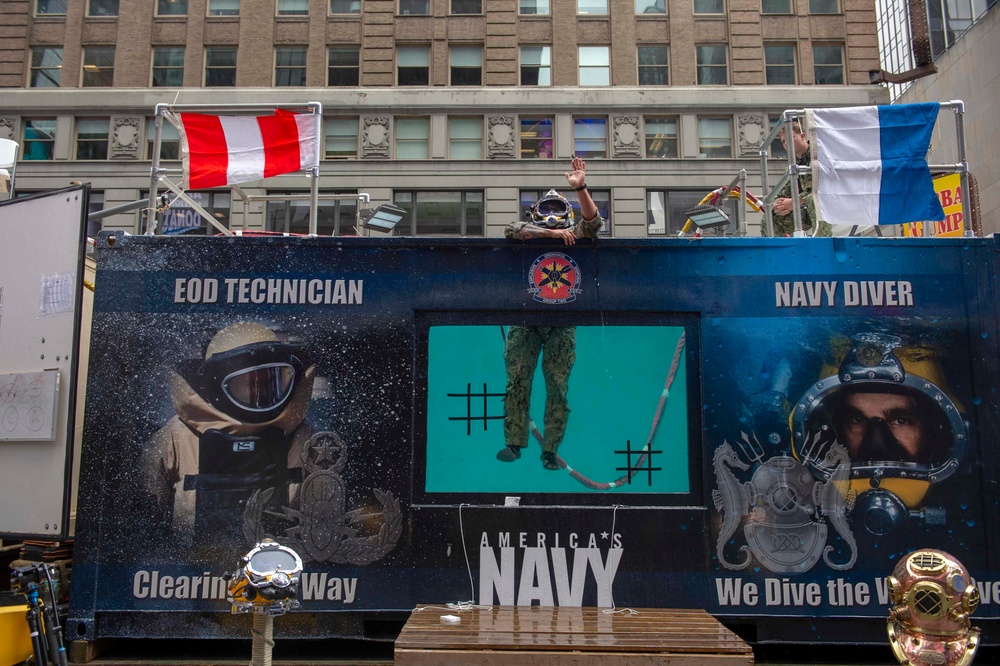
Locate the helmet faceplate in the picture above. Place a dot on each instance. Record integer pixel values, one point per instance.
(553, 211)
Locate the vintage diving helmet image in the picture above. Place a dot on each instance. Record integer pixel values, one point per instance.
(932, 596)
(888, 407)
(786, 512)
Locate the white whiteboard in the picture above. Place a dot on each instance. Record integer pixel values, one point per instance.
(29, 406)
(41, 283)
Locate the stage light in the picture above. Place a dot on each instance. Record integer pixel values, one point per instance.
(384, 218)
(707, 216)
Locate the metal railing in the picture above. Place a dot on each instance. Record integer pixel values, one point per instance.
(157, 174)
(791, 173)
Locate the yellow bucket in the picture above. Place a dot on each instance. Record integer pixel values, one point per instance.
(15, 640)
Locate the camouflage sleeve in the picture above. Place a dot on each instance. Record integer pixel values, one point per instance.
(513, 230)
(590, 228)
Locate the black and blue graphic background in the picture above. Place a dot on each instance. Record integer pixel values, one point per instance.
(373, 362)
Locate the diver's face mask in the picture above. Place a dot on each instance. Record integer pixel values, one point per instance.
(552, 211)
(890, 426)
(251, 383)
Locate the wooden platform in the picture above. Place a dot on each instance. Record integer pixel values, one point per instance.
(560, 636)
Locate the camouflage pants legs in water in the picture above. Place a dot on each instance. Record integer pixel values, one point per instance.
(557, 344)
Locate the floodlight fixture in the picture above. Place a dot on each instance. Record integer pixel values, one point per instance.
(707, 216)
(384, 218)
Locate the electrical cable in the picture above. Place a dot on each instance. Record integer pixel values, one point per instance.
(627, 477)
(56, 642)
(614, 610)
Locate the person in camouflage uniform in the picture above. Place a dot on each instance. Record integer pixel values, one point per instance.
(551, 217)
(784, 222)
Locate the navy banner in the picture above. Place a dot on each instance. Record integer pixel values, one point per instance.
(756, 427)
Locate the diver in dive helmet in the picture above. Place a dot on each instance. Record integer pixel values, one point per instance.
(887, 405)
(552, 211)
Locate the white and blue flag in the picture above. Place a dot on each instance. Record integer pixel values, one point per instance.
(869, 164)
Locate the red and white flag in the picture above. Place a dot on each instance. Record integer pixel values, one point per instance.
(228, 150)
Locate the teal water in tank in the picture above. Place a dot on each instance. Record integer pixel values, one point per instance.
(614, 388)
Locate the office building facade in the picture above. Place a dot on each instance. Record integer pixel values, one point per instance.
(964, 40)
(462, 112)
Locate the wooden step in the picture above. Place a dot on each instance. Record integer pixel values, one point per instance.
(558, 636)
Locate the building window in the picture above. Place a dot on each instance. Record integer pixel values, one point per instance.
(595, 66)
(94, 205)
(345, 6)
(536, 138)
(182, 220)
(413, 66)
(824, 7)
(650, 6)
(102, 8)
(536, 66)
(661, 137)
(343, 66)
(412, 138)
(828, 64)
(448, 213)
(98, 66)
(590, 137)
(223, 7)
(666, 210)
(775, 6)
(168, 66)
(777, 149)
(591, 6)
(39, 138)
(779, 64)
(534, 6)
(92, 138)
(334, 217)
(171, 7)
(950, 20)
(466, 65)
(220, 66)
(602, 199)
(293, 7)
(50, 8)
(170, 141)
(466, 6)
(709, 7)
(415, 7)
(341, 138)
(46, 67)
(654, 65)
(465, 138)
(711, 65)
(715, 137)
(290, 66)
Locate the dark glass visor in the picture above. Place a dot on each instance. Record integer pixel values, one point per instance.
(261, 387)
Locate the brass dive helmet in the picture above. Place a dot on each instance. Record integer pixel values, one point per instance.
(932, 597)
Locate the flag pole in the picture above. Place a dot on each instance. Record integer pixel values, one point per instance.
(959, 108)
(154, 171)
(317, 108)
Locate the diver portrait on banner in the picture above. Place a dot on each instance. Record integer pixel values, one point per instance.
(240, 461)
(856, 468)
(890, 407)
